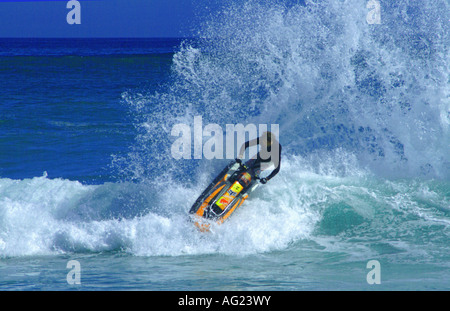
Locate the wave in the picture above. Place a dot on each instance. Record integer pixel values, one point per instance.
(42, 216)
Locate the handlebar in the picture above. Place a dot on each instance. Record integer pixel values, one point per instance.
(245, 167)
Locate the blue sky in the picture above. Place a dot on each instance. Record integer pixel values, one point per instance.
(103, 18)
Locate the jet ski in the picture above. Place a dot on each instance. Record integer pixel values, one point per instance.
(224, 195)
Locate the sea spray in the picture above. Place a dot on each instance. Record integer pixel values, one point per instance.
(319, 70)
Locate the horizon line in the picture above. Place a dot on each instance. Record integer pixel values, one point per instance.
(106, 37)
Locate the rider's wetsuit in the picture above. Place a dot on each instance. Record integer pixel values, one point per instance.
(255, 163)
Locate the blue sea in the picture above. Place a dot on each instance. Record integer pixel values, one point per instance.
(87, 173)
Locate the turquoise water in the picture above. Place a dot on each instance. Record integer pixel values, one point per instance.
(318, 238)
(86, 172)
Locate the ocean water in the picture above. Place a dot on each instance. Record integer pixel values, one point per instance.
(86, 171)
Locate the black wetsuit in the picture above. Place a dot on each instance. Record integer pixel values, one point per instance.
(255, 164)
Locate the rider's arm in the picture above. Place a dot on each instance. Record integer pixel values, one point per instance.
(277, 169)
(247, 144)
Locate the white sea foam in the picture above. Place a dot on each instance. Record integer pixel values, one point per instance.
(49, 216)
(45, 216)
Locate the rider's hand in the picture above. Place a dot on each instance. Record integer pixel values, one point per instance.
(263, 180)
(238, 160)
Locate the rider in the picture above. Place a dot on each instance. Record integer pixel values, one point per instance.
(265, 156)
